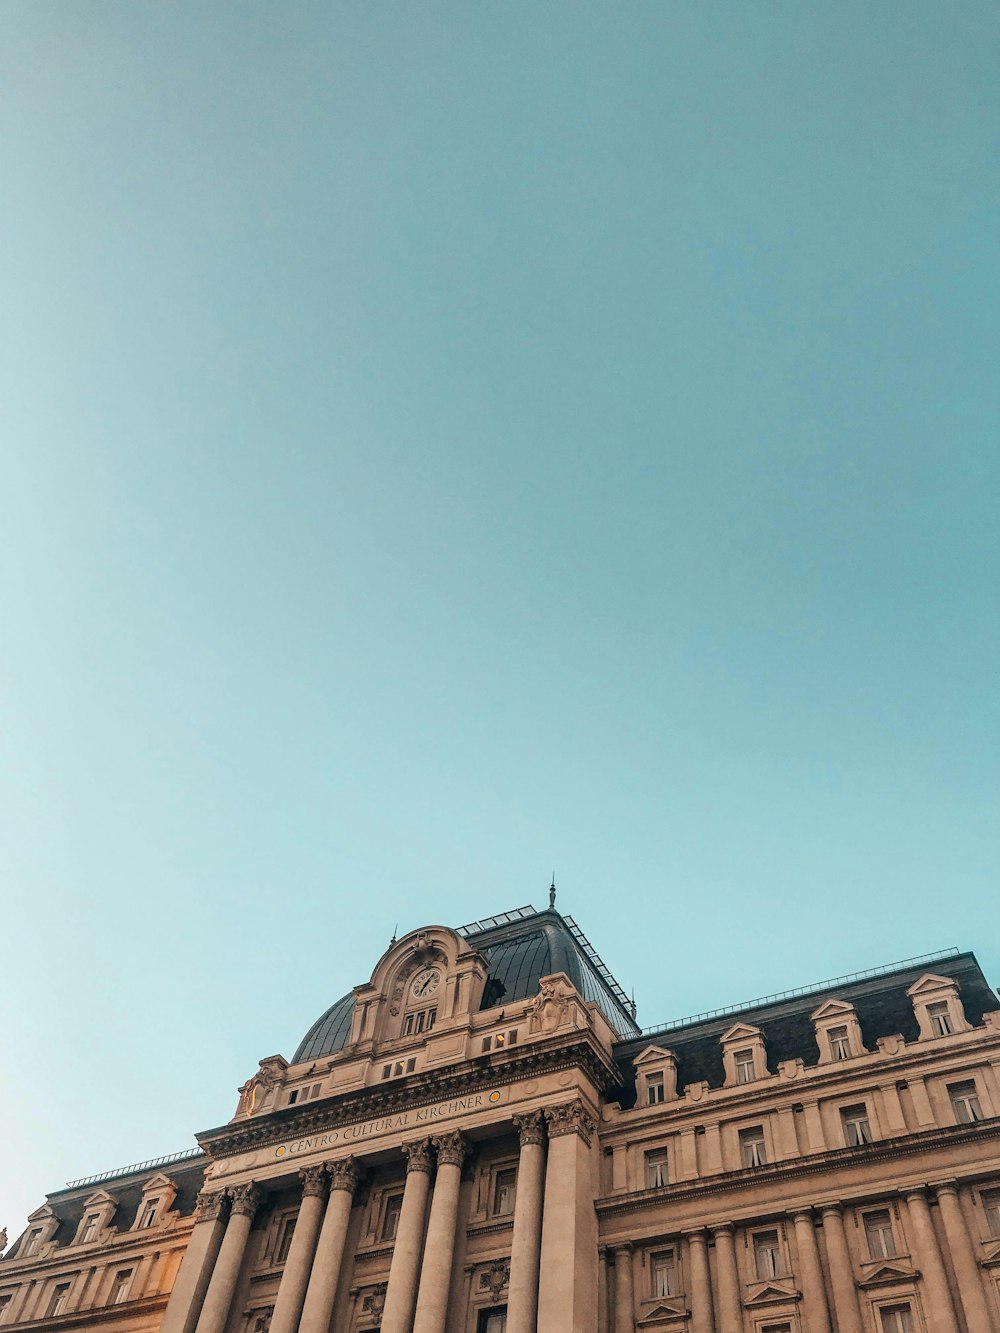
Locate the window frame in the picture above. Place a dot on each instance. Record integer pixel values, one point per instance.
(121, 1286)
(656, 1168)
(385, 1211)
(774, 1250)
(839, 1039)
(974, 1098)
(665, 1259)
(847, 1119)
(59, 1299)
(743, 1061)
(655, 1084)
(990, 1200)
(752, 1135)
(939, 1018)
(896, 1307)
(499, 1183)
(871, 1230)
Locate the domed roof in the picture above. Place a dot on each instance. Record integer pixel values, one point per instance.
(520, 948)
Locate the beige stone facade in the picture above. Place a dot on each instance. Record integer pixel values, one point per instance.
(479, 1139)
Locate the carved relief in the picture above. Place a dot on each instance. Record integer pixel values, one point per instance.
(257, 1094)
(451, 1148)
(530, 1127)
(345, 1174)
(571, 1118)
(313, 1181)
(418, 1155)
(209, 1205)
(374, 1303)
(247, 1199)
(550, 1007)
(495, 1279)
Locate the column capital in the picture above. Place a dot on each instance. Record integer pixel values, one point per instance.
(530, 1127)
(723, 1229)
(451, 1148)
(418, 1156)
(623, 1248)
(345, 1174)
(909, 1192)
(805, 1212)
(313, 1181)
(832, 1206)
(944, 1187)
(247, 1199)
(570, 1118)
(696, 1235)
(209, 1205)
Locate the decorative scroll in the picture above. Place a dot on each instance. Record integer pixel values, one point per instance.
(451, 1148)
(418, 1156)
(530, 1127)
(570, 1118)
(495, 1279)
(344, 1174)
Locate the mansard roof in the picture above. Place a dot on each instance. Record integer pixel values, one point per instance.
(520, 947)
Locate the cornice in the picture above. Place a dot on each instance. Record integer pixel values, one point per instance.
(123, 1246)
(726, 1182)
(422, 1089)
(102, 1314)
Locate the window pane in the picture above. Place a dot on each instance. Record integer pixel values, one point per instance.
(878, 1230)
(664, 1271)
(965, 1102)
(752, 1147)
(503, 1193)
(765, 1248)
(656, 1168)
(991, 1207)
(390, 1220)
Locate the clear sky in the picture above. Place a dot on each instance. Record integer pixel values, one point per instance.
(444, 443)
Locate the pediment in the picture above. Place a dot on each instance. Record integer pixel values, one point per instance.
(886, 1274)
(991, 1254)
(98, 1199)
(663, 1314)
(833, 1009)
(740, 1032)
(930, 981)
(158, 1182)
(43, 1214)
(775, 1289)
(651, 1053)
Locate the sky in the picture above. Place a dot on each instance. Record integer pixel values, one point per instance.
(444, 445)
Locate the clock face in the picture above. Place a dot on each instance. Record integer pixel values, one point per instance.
(425, 983)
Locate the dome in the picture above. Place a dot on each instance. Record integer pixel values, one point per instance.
(520, 948)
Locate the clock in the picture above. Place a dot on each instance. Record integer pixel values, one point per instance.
(425, 983)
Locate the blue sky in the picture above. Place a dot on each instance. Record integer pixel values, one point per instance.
(447, 443)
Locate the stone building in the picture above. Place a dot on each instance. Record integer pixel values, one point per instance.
(479, 1139)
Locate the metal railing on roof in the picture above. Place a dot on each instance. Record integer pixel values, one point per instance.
(812, 989)
(598, 965)
(491, 922)
(184, 1156)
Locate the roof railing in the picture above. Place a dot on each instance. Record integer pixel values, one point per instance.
(184, 1156)
(812, 989)
(599, 965)
(492, 922)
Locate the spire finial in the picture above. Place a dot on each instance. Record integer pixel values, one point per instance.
(394, 932)
(552, 892)
(632, 1002)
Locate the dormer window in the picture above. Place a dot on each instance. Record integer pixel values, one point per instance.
(840, 1046)
(655, 1076)
(148, 1215)
(838, 1032)
(32, 1243)
(940, 1019)
(937, 1007)
(744, 1066)
(743, 1055)
(89, 1228)
(654, 1089)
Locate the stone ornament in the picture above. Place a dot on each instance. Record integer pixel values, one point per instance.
(418, 1155)
(345, 1174)
(313, 1181)
(374, 1303)
(209, 1205)
(550, 1007)
(247, 1199)
(571, 1118)
(530, 1127)
(495, 1279)
(451, 1148)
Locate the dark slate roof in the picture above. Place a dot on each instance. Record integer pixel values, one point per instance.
(881, 1003)
(520, 948)
(68, 1204)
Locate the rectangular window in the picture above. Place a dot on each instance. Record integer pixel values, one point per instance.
(293, 1097)
(89, 1228)
(656, 1168)
(285, 1240)
(654, 1089)
(503, 1192)
(857, 1129)
(991, 1208)
(765, 1254)
(59, 1298)
(776, 1328)
(878, 1232)
(663, 1267)
(4, 1305)
(940, 1019)
(121, 1286)
(31, 1244)
(421, 1021)
(896, 1319)
(492, 1321)
(744, 1066)
(149, 1215)
(840, 1047)
(386, 1070)
(752, 1151)
(390, 1218)
(965, 1102)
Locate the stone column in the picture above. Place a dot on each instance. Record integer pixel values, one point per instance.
(567, 1286)
(699, 1282)
(963, 1256)
(214, 1313)
(816, 1310)
(184, 1305)
(526, 1242)
(938, 1305)
(729, 1307)
(845, 1293)
(401, 1296)
(322, 1290)
(624, 1289)
(292, 1288)
(439, 1248)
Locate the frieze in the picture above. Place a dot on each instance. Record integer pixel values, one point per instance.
(401, 1104)
(570, 1118)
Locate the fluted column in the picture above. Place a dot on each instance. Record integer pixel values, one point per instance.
(214, 1313)
(816, 1310)
(728, 1307)
(963, 1257)
(939, 1308)
(567, 1284)
(526, 1242)
(699, 1282)
(845, 1293)
(195, 1272)
(624, 1289)
(401, 1296)
(322, 1290)
(292, 1288)
(439, 1248)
